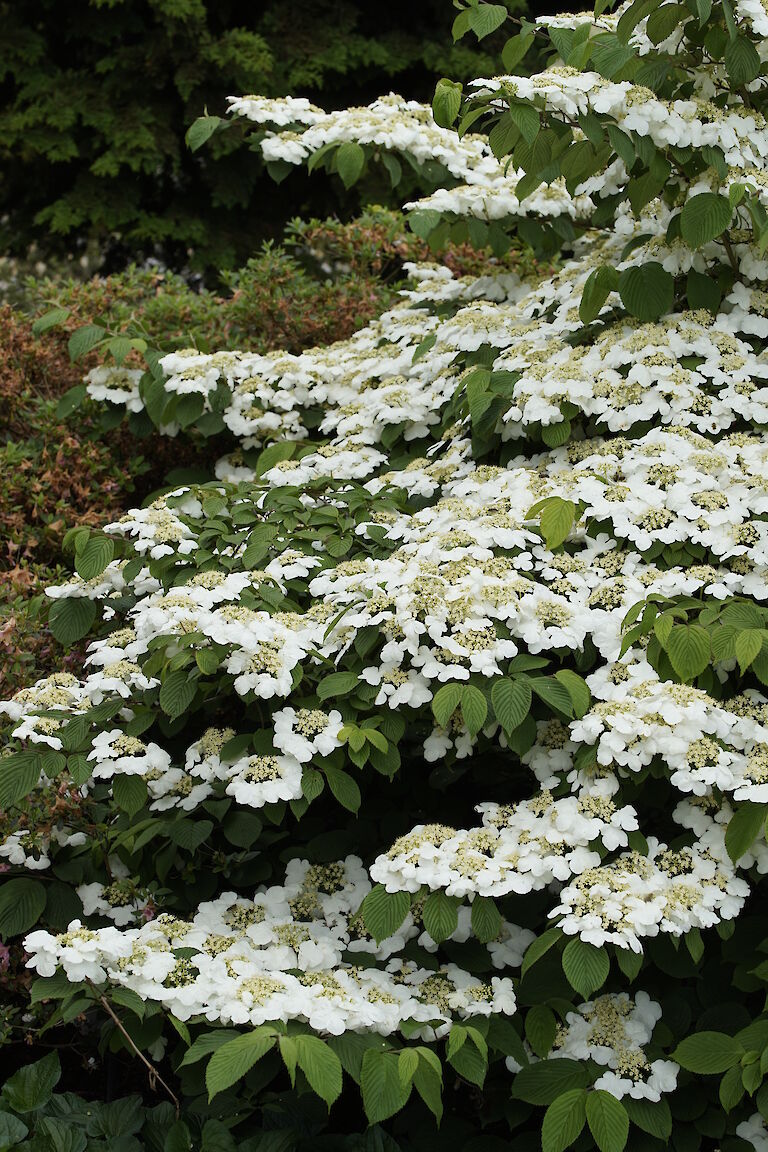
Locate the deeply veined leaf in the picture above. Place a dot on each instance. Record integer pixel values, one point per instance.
(586, 967)
(708, 1053)
(646, 290)
(440, 915)
(95, 556)
(704, 218)
(511, 701)
(486, 919)
(382, 1090)
(235, 1058)
(70, 618)
(350, 159)
(383, 912)
(320, 1065)
(689, 650)
(608, 1121)
(446, 103)
(445, 702)
(177, 692)
(563, 1121)
(21, 904)
(474, 708)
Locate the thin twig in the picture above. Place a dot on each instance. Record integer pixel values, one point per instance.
(152, 1073)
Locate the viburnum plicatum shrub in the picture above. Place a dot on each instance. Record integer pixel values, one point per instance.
(422, 755)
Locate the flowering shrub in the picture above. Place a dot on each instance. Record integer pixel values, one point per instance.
(503, 549)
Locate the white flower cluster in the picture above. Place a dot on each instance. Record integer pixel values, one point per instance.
(613, 1030)
(518, 848)
(247, 954)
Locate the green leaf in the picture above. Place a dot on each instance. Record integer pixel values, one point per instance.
(543, 1082)
(608, 1121)
(344, 788)
(446, 103)
(563, 1121)
(742, 61)
(235, 1058)
(19, 774)
(577, 689)
(743, 829)
(554, 694)
(242, 828)
(540, 1029)
(586, 967)
(646, 290)
(747, 646)
(440, 915)
(337, 684)
(50, 319)
(71, 401)
(129, 792)
(382, 1090)
(688, 647)
(428, 1081)
(515, 49)
(526, 118)
(556, 517)
(655, 1119)
(598, 287)
(12, 1131)
(85, 340)
(511, 701)
(350, 159)
(703, 291)
(32, 1087)
(177, 692)
(445, 702)
(609, 55)
(207, 1043)
(201, 130)
(474, 708)
(486, 19)
(383, 912)
(21, 904)
(70, 618)
(664, 20)
(538, 947)
(486, 919)
(470, 1061)
(704, 218)
(189, 834)
(320, 1065)
(708, 1053)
